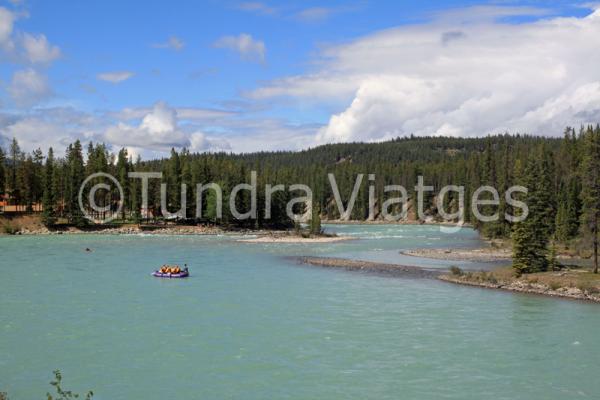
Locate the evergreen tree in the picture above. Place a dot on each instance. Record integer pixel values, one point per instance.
(530, 237)
(315, 223)
(75, 176)
(49, 196)
(123, 178)
(12, 180)
(591, 188)
(2, 172)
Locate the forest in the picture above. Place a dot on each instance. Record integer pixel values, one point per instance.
(562, 176)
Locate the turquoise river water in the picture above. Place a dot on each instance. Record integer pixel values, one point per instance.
(250, 323)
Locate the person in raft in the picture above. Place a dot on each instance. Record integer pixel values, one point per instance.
(166, 269)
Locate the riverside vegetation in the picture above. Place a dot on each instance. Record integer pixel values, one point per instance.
(562, 177)
(61, 394)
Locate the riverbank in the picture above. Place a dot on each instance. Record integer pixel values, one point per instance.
(291, 237)
(129, 229)
(576, 284)
(367, 266)
(31, 225)
(489, 254)
(399, 222)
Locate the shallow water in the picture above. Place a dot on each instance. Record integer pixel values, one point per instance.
(251, 324)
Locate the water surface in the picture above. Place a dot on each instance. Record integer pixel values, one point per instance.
(251, 324)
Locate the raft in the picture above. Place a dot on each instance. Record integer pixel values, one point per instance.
(182, 274)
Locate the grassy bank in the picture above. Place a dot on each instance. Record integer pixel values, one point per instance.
(575, 283)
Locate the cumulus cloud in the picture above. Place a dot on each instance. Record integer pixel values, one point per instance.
(173, 43)
(159, 130)
(23, 47)
(48, 127)
(28, 87)
(38, 50)
(115, 77)
(7, 19)
(245, 45)
(452, 78)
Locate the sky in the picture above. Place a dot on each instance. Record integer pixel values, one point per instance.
(246, 76)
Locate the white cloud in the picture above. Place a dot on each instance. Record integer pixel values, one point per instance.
(460, 79)
(173, 43)
(195, 114)
(159, 130)
(314, 14)
(45, 127)
(257, 7)
(247, 47)
(7, 19)
(152, 131)
(28, 87)
(115, 77)
(33, 133)
(38, 50)
(22, 47)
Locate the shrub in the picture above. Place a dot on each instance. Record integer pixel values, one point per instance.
(454, 270)
(554, 285)
(62, 394)
(588, 287)
(10, 229)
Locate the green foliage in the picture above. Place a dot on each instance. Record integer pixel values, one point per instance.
(554, 285)
(531, 236)
(315, 223)
(49, 196)
(62, 394)
(591, 187)
(561, 174)
(454, 270)
(2, 172)
(10, 229)
(553, 264)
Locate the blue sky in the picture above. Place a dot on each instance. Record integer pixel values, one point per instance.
(244, 76)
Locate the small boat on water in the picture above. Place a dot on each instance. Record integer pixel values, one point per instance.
(171, 272)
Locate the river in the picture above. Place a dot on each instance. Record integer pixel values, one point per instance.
(250, 323)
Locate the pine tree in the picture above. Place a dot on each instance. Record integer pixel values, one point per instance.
(75, 176)
(2, 172)
(591, 188)
(123, 179)
(531, 236)
(315, 223)
(12, 180)
(553, 264)
(49, 196)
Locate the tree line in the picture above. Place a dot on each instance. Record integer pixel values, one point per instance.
(562, 176)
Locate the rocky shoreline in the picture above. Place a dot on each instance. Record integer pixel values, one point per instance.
(289, 238)
(399, 222)
(470, 279)
(367, 266)
(526, 287)
(475, 255)
(126, 230)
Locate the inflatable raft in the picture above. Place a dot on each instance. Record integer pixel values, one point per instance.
(183, 274)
